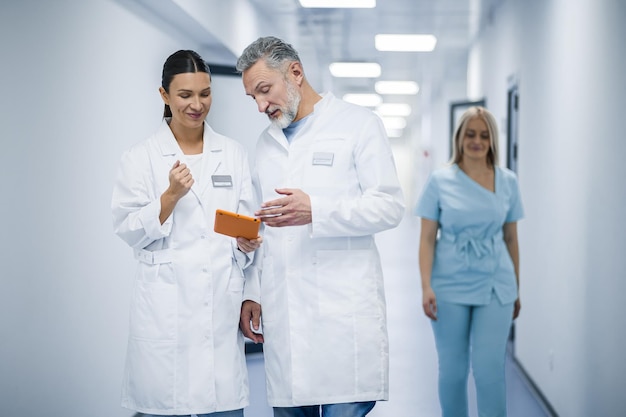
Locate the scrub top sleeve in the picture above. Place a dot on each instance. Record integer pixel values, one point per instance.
(516, 210)
(428, 203)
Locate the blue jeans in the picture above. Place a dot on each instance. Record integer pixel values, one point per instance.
(327, 410)
(480, 333)
(231, 413)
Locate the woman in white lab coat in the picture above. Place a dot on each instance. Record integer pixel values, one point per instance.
(185, 351)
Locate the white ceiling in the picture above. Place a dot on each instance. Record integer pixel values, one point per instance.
(323, 36)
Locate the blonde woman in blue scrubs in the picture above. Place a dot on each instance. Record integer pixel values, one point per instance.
(469, 264)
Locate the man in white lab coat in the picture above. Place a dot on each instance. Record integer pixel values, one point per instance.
(325, 171)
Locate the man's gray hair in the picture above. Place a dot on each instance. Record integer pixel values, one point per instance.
(272, 50)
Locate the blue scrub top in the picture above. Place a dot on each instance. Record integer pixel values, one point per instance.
(471, 259)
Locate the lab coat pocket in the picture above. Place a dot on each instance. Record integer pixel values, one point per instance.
(236, 281)
(347, 282)
(149, 379)
(153, 311)
(328, 159)
(235, 287)
(268, 288)
(222, 187)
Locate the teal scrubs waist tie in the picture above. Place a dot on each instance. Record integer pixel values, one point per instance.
(477, 252)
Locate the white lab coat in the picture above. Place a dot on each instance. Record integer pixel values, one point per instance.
(185, 351)
(322, 295)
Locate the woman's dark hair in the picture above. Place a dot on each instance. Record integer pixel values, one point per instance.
(181, 62)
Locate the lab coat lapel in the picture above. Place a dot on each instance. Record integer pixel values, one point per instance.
(168, 145)
(212, 151)
(279, 136)
(171, 152)
(320, 114)
(319, 108)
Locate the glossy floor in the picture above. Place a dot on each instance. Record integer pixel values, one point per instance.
(413, 359)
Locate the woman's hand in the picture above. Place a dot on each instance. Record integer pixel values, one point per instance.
(516, 308)
(248, 246)
(429, 303)
(180, 184)
(180, 180)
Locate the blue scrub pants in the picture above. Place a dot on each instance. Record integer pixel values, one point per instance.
(483, 331)
(359, 409)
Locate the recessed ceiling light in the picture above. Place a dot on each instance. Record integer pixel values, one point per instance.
(394, 133)
(393, 122)
(339, 4)
(396, 87)
(394, 109)
(366, 100)
(410, 43)
(355, 69)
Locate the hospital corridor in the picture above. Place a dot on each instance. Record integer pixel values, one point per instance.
(85, 82)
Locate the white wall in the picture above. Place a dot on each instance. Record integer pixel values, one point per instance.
(235, 114)
(80, 83)
(431, 148)
(570, 61)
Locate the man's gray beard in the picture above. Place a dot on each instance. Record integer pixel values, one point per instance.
(287, 115)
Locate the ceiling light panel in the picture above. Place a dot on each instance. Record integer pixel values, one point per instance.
(394, 109)
(355, 69)
(394, 133)
(393, 122)
(396, 87)
(366, 100)
(339, 4)
(405, 43)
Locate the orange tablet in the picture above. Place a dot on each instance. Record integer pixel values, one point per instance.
(235, 224)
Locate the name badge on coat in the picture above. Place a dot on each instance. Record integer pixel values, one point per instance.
(222, 180)
(323, 158)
